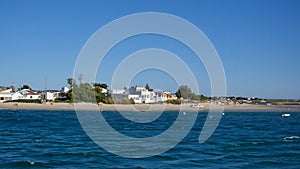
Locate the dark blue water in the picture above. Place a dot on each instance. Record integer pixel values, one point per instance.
(55, 139)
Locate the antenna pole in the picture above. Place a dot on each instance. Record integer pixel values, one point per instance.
(46, 83)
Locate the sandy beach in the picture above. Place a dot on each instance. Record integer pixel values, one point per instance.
(146, 107)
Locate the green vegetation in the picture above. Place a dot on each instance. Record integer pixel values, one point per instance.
(131, 101)
(86, 92)
(174, 101)
(185, 92)
(93, 92)
(25, 87)
(123, 101)
(25, 101)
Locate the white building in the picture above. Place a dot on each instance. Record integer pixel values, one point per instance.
(65, 89)
(16, 96)
(29, 94)
(54, 94)
(8, 94)
(142, 95)
(147, 96)
(137, 99)
(47, 95)
(118, 91)
(161, 96)
(5, 95)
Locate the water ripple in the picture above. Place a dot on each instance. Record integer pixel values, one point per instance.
(55, 139)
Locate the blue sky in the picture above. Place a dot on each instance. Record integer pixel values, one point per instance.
(257, 41)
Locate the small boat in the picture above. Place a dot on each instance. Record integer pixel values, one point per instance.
(286, 115)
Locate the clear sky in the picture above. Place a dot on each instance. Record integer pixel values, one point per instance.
(258, 42)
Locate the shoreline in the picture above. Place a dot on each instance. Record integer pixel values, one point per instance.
(147, 107)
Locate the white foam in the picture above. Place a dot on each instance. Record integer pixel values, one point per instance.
(31, 162)
(291, 138)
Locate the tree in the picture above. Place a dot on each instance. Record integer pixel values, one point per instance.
(98, 94)
(131, 101)
(70, 95)
(25, 87)
(102, 85)
(70, 82)
(178, 94)
(80, 78)
(184, 92)
(83, 93)
(147, 86)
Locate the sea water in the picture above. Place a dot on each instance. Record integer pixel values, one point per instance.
(55, 139)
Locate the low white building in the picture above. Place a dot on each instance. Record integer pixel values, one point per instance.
(118, 91)
(8, 94)
(16, 96)
(53, 94)
(46, 95)
(29, 94)
(142, 95)
(137, 99)
(5, 95)
(161, 96)
(148, 96)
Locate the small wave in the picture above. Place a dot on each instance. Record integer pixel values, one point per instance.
(38, 141)
(235, 145)
(291, 138)
(258, 142)
(31, 162)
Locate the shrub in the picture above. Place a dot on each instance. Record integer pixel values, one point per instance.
(132, 101)
(174, 101)
(25, 101)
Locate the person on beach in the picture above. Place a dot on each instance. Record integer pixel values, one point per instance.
(16, 105)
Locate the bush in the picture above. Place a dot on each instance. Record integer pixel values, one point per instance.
(132, 101)
(174, 101)
(25, 101)
(122, 101)
(62, 100)
(108, 100)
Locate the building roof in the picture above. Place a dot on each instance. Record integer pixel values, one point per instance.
(8, 90)
(28, 92)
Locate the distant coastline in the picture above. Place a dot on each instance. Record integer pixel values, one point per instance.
(148, 107)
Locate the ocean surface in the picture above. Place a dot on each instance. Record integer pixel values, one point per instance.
(55, 139)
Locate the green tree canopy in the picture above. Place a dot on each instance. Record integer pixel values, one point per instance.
(184, 92)
(70, 82)
(102, 85)
(25, 87)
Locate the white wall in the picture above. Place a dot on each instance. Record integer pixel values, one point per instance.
(17, 96)
(65, 89)
(118, 91)
(136, 98)
(148, 97)
(5, 95)
(32, 97)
